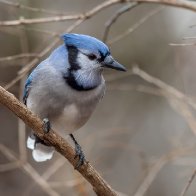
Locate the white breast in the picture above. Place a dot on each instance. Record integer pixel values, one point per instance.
(68, 120)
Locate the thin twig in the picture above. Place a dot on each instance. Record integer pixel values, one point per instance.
(38, 179)
(31, 64)
(9, 166)
(24, 21)
(40, 31)
(177, 99)
(184, 110)
(18, 56)
(190, 5)
(60, 18)
(33, 9)
(30, 171)
(184, 191)
(185, 38)
(136, 25)
(118, 76)
(182, 44)
(171, 90)
(178, 105)
(114, 18)
(47, 174)
(157, 167)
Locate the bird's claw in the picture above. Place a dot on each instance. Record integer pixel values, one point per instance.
(80, 155)
(46, 125)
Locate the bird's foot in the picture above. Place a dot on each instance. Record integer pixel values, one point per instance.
(79, 153)
(46, 125)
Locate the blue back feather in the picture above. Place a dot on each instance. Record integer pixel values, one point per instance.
(27, 88)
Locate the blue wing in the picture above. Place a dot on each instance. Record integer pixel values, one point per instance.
(57, 58)
(29, 81)
(27, 88)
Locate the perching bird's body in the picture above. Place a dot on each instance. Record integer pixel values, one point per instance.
(66, 87)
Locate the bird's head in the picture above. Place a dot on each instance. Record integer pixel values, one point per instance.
(88, 53)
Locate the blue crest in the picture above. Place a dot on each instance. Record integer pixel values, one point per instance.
(86, 42)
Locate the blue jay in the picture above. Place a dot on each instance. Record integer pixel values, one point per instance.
(65, 88)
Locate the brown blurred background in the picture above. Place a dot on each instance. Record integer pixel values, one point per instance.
(141, 137)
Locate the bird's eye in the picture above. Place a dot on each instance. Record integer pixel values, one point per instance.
(92, 56)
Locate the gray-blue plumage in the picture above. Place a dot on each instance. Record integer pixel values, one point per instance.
(66, 87)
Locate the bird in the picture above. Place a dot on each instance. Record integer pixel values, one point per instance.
(65, 88)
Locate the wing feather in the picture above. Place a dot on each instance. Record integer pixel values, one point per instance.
(27, 88)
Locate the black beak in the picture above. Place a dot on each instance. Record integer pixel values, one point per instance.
(109, 62)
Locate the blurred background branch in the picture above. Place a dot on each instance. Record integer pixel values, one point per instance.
(188, 184)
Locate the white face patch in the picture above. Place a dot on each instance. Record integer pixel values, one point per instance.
(85, 63)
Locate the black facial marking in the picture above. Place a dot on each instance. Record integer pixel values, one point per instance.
(71, 81)
(72, 57)
(69, 78)
(101, 59)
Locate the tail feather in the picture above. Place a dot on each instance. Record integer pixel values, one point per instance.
(40, 152)
(31, 143)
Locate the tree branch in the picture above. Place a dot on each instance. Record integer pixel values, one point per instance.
(176, 3)
(186, 4)
(25, 21)
(33, 9)
(63, 147)
(134, 27)
(114, 18)
(184, 191)
(170, 89)
(156, 168)
(61, 18)
(18, 56)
